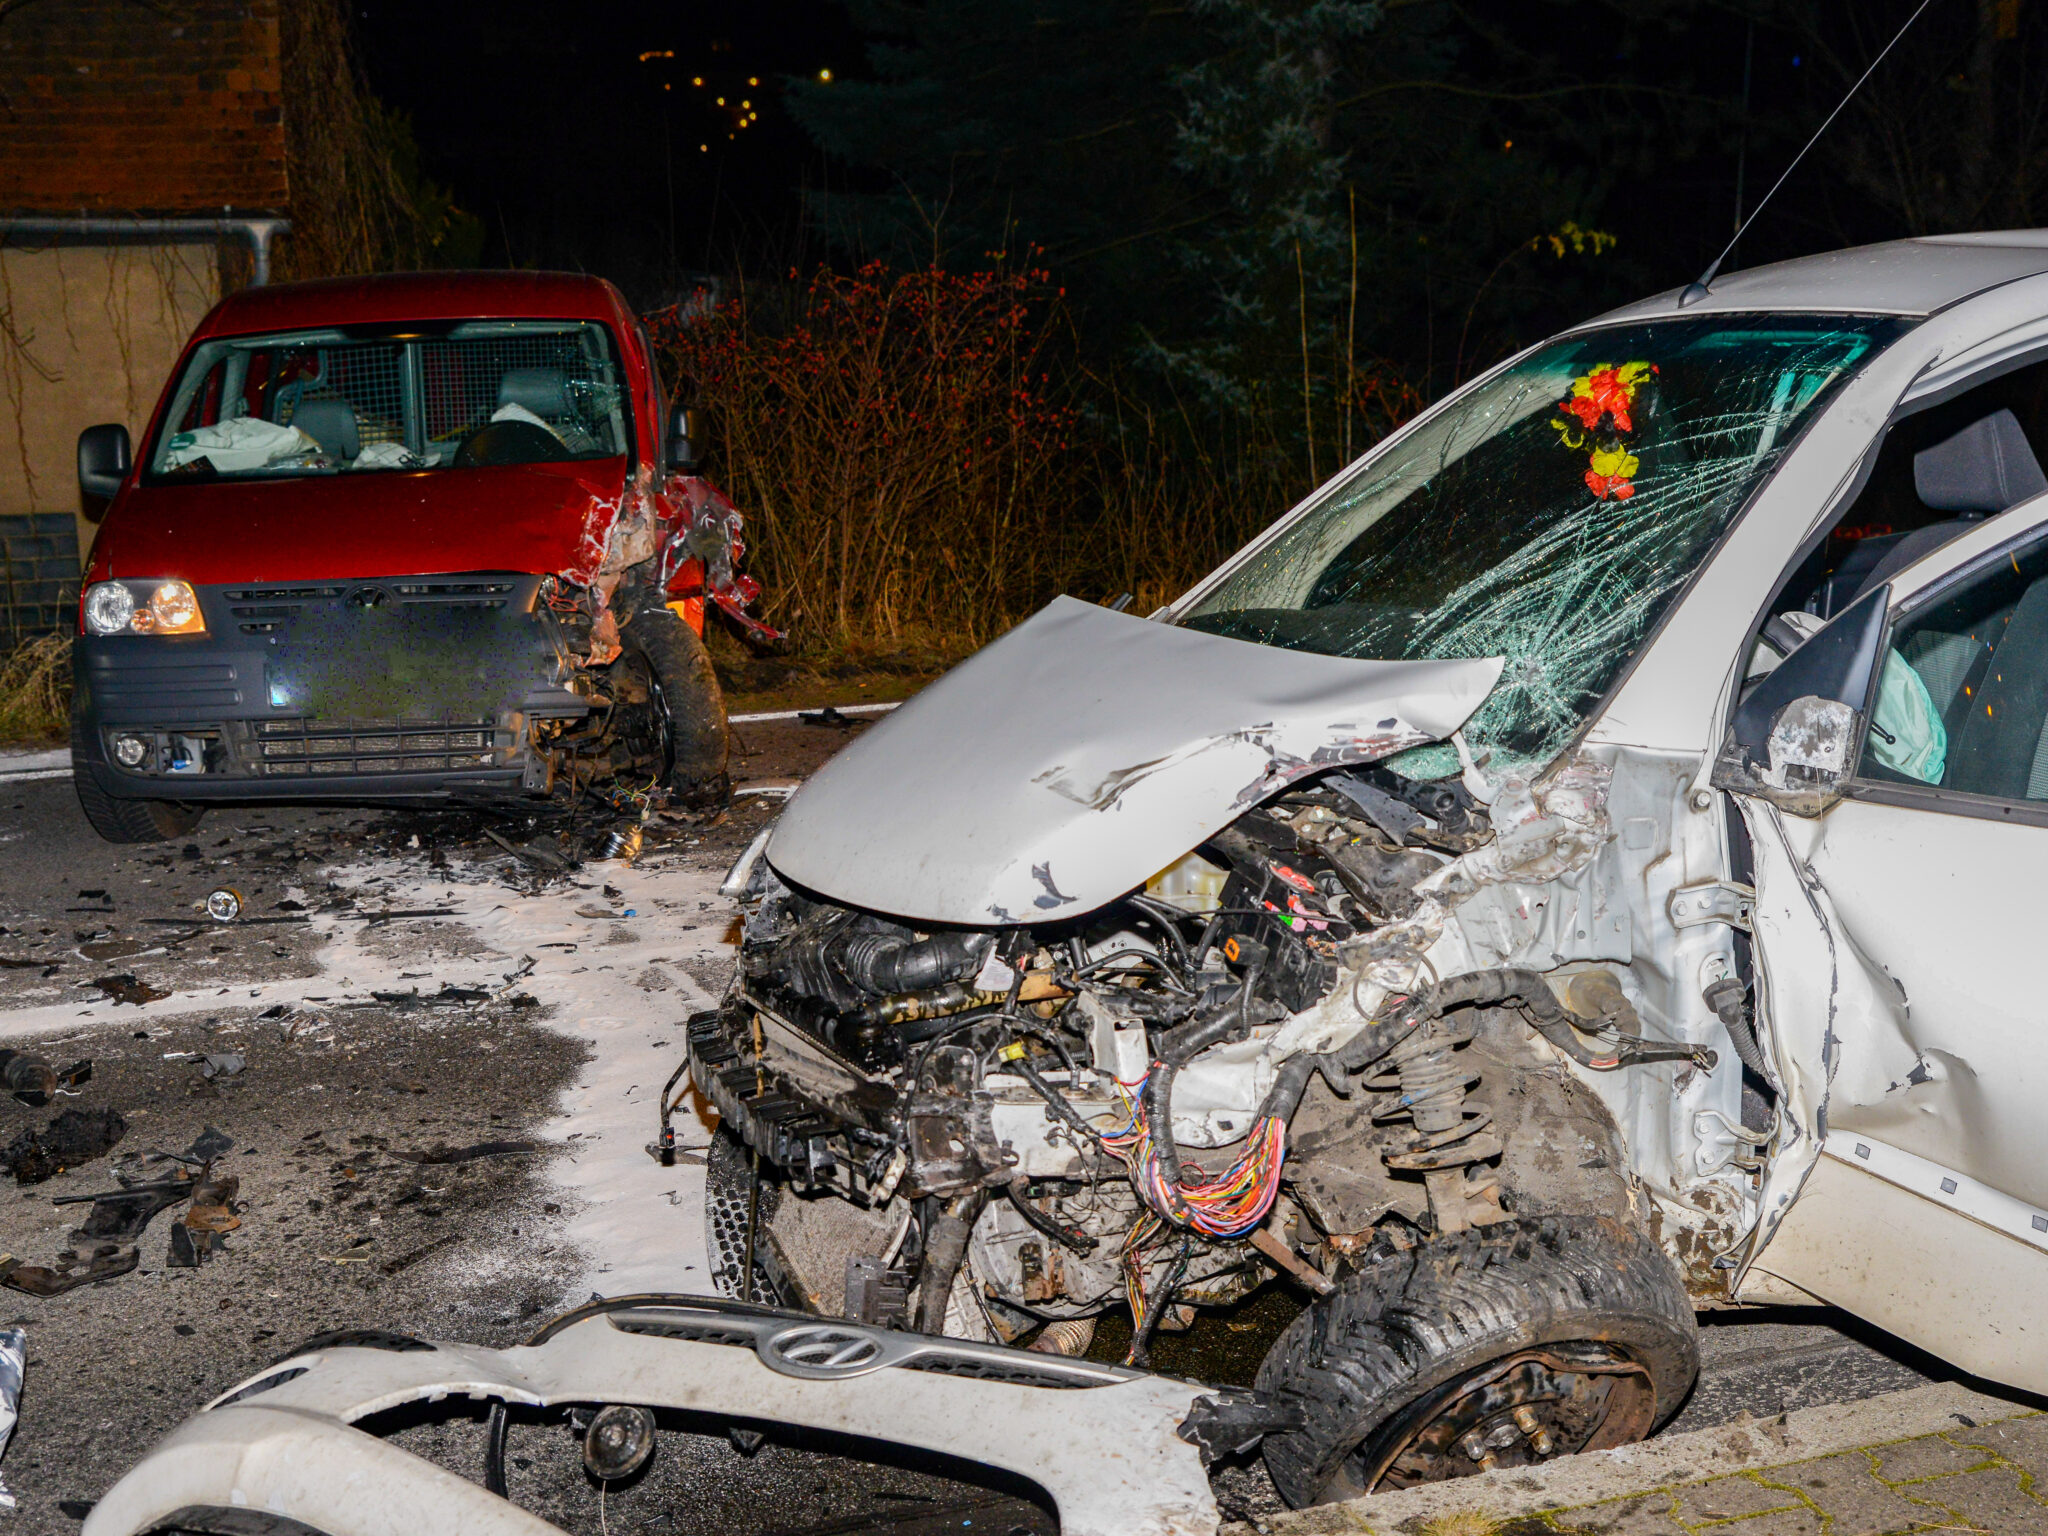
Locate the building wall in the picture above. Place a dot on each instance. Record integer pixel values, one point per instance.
(90, 335)
(117, 107)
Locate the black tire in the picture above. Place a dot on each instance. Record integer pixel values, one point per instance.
(1419, 1351)
(689, 706)
(126, 821)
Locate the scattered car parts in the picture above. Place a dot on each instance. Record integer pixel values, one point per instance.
(282, 1445)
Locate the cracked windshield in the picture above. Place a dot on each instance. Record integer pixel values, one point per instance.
(1549, 517)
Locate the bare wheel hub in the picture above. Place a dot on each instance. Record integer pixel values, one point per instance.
(1515, 1412)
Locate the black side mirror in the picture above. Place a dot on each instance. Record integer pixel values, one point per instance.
(1794, 739)
(685, 441)
(104, 459)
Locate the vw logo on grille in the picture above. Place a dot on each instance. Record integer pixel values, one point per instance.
(819, 1350)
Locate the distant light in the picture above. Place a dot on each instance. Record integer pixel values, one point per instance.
(721, 101)
(1796, 61)
(751, 80)
(753, 117)
(697, 80)
(666, 86)
(825, 75)
(703, 149)
(1507, 143)
(657, 53)
(746, 106)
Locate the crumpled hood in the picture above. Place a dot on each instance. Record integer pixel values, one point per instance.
(361, 524)
(1082, 753)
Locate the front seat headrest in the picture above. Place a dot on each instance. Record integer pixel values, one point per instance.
(330, 423)
(1986, 467)
(543, 391)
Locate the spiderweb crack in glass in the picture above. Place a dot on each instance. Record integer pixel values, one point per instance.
(1479, 534)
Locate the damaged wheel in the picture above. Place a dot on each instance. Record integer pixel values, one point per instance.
(1498, 1347)
(679, 726)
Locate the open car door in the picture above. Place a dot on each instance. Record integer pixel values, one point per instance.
(1893, 773)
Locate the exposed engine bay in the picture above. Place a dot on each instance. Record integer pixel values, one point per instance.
(1251, 1066)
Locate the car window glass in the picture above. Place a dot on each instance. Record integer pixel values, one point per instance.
(433, 397)
(1549, 516)
(1963, 699)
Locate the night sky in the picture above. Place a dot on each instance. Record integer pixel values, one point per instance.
(577, 133)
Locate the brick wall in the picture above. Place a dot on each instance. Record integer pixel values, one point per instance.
(38, 575)
(111, 106)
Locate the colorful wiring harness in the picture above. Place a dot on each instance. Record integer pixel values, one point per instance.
(1228, 1206)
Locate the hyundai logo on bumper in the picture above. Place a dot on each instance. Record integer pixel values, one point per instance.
(820, 1351)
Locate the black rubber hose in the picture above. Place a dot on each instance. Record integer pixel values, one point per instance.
(1070, 1237)
(1725, 997)
(1550, 1018)
(1055, 1100)
(888, 966)
(1180, 1048)
(494, 1452)
(945, 1249)
(1355, 1055)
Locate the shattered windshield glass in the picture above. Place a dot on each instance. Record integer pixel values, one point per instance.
(1549, 516)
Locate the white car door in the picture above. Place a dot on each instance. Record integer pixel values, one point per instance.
(1922, 894)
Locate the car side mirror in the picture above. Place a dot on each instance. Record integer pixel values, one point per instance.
(686, 441)
(104, 459)
(1793, 740)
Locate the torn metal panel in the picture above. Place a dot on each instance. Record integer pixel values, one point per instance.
(1832, 1023)
(1635, 841)
(1099, 1439)
(962, 807)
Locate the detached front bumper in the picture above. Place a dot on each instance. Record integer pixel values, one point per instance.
(418, 688)
(1101, 1440)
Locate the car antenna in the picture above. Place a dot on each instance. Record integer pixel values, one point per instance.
(1698, 290)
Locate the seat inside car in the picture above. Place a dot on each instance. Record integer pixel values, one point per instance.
(1979, 472)
(332, 424)
(543, 391)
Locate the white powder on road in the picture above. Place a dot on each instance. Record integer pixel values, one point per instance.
(624, 986)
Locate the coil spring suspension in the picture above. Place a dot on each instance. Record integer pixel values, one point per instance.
(1449, 1138)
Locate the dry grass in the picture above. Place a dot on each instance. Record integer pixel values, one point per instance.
(922, 463)
(35, 690)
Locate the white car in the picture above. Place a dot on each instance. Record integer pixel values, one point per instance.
(1572, 870)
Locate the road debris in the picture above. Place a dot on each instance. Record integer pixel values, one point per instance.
(450, 996)
(33, 1080)
(219, 1064)
(125, 1213)
(75, 1136)
(829, 716)
(125, 988)
(109, 1261)
(224, 904)
(444, 1154)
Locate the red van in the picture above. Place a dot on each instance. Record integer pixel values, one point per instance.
(419, 539)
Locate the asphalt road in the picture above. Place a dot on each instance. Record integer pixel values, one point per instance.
(355, 1067)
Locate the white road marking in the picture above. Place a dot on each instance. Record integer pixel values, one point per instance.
(19, 767)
